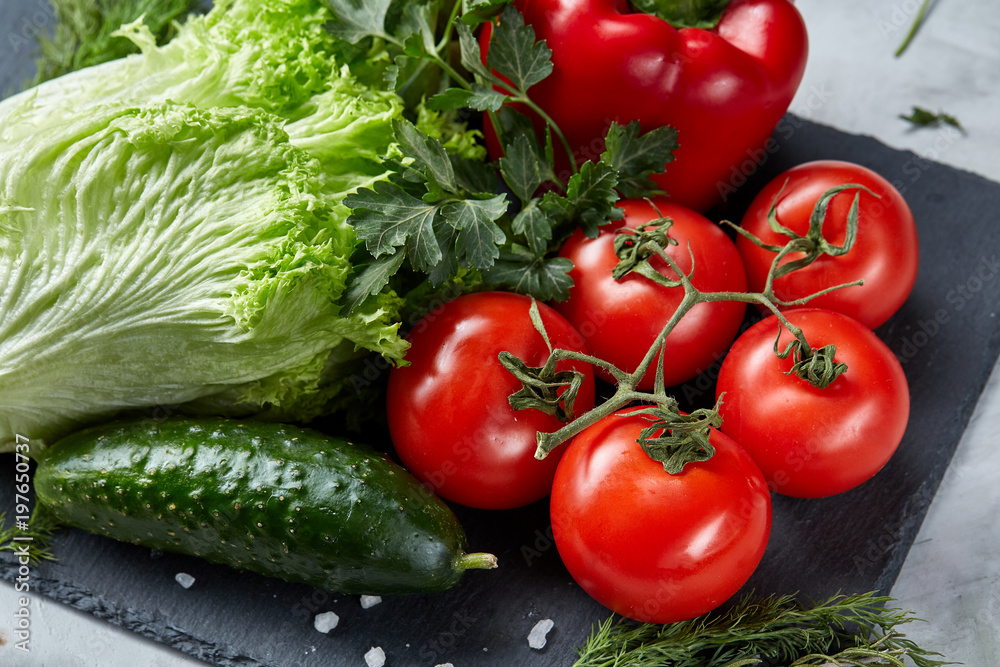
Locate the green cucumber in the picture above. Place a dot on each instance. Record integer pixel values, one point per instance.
(275, 499)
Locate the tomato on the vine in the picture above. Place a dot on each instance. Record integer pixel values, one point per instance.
(620, 319)
(450, 420)
(650, 545)
(885, 253)
(810, 441)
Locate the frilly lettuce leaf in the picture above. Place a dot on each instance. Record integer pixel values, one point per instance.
(160, 255)
(172, 227)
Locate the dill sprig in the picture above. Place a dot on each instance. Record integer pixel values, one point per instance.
(845, 630)
(40, 528)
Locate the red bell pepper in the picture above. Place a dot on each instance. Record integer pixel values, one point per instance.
(724, 89)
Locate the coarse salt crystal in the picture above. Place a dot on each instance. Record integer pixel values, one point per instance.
(184, 579)
(326, 621)
(375, 657)
(537, 637)
(369, 601)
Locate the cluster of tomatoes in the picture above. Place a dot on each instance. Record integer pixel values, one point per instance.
(651, 545)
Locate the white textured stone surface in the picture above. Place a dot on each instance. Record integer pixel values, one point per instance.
(951, 577)
(854, 82)
(64, 637)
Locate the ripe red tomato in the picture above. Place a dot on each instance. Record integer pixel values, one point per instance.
(448, 411)
(811, 442)
(649, 545)
(620, 319)
(885, 253)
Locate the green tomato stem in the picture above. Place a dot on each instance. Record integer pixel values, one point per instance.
(626, 392)
(623, 396)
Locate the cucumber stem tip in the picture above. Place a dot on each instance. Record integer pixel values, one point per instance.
(476, 561)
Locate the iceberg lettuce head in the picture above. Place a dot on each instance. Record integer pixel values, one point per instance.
(172, 231)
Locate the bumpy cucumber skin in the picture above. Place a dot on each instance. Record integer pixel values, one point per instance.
(274, 499)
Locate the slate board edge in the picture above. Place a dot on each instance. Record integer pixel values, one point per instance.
(921, 502)
(146, 624)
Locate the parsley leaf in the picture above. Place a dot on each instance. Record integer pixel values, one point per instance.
(589, 200)
(479, 97)
(921, 117)
(533, 224)
(523, 169)
(388, 218)
(372, 279)
(448, 267)
(483, 10)
(475, 176)
(637, 156)
(428, 154)
(478, 233)
(521, 270)
(592, 191)
(438, 211)
(355, 20)
(471, 54)
(440, 214)
(515, 54)
(417, 22)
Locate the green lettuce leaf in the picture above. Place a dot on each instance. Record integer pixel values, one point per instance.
(160, 255)
(173, 232)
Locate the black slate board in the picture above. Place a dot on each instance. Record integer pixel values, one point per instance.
(946, 336)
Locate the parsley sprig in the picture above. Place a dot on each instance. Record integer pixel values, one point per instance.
(921, 117)
(439, 214)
